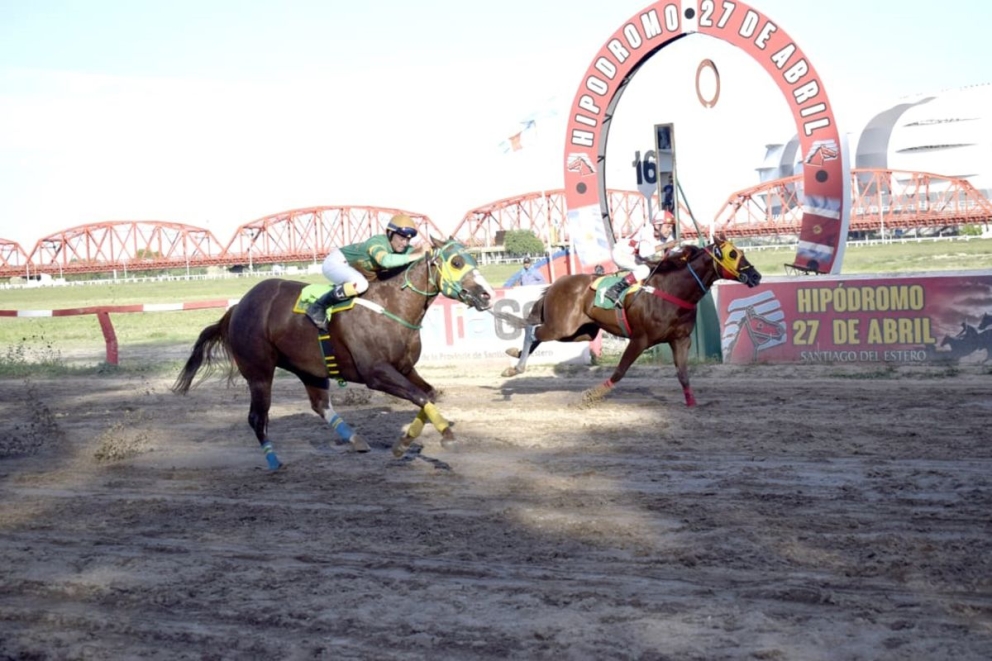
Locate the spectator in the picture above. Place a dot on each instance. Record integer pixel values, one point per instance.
(531, 275)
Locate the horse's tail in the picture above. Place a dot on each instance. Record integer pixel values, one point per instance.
(513, 320)
(209, 348)
(536, 316)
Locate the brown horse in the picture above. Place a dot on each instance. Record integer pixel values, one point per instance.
(376, 343)
(664, 310)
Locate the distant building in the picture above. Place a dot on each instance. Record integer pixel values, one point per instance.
(948, 134)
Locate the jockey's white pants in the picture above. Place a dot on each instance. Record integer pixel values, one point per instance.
(624, 258)
(336, 269)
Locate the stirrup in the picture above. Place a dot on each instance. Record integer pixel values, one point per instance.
(318, 315)
(614, 293)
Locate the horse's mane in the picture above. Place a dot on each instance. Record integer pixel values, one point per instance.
(674, 261)
(385, 275)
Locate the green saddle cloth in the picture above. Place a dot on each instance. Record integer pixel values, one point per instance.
(602, 285)
(311, 293)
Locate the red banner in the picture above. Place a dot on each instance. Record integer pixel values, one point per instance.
(831, 319)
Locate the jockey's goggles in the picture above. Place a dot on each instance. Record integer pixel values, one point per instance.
(405, 232)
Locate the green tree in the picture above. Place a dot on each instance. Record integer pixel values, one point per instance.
(522, 242)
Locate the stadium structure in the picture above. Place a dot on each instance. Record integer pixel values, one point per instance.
(941, 143)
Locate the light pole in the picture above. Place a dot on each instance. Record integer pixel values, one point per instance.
(881, 221)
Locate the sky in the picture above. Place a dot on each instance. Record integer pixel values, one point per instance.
(218, 112)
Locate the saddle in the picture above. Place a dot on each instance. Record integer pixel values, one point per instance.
(603, 283)
(311, 293)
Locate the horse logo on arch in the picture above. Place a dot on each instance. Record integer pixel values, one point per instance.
(822, 151)
(580, 163)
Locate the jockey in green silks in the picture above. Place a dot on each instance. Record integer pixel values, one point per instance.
(380, 252)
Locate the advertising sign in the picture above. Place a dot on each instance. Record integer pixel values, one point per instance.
(858, 319)
(452, 331)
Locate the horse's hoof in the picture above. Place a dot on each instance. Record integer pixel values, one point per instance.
(401, 446)
(448, 440)
(513, 352)
(594, 395)
(510, 371)
(358, 444)
(451, 443)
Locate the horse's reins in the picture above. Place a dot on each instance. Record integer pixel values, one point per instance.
(688, 264)
(665, 296)
(378, 309)
(409, 285)
(429, 295)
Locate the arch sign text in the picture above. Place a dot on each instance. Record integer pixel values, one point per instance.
(826, 180)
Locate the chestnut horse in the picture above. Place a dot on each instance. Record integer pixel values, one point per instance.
(663, 310)
(376, 343)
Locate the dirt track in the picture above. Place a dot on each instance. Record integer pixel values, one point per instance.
(797, 513)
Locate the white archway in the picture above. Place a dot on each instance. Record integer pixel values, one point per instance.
(826, 206)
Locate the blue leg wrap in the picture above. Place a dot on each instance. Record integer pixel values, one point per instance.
(270, 456)
(343, 429)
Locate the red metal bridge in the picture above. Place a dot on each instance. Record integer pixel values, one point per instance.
(880, 199)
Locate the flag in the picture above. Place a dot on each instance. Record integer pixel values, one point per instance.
(525, 133)
(521, 138)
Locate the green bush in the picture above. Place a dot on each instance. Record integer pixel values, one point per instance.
(522, 242)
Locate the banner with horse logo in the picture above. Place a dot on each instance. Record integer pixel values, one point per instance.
(859, 319)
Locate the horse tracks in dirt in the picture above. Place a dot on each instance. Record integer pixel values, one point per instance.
(799, 512)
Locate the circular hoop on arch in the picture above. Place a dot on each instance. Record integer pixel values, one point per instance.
(707, 64)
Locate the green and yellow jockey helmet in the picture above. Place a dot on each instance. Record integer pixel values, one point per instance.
(403, 225)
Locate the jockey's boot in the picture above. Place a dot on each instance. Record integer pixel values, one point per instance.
(317, 311)
(613, 293)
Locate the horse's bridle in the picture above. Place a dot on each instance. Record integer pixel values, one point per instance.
(727, 261)
(450, 278)
(407, 284)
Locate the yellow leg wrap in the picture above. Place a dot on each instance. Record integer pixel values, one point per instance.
(417, 426)
(435, 417)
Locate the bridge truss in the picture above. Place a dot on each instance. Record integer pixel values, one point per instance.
(881, 200)
(300, 235)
